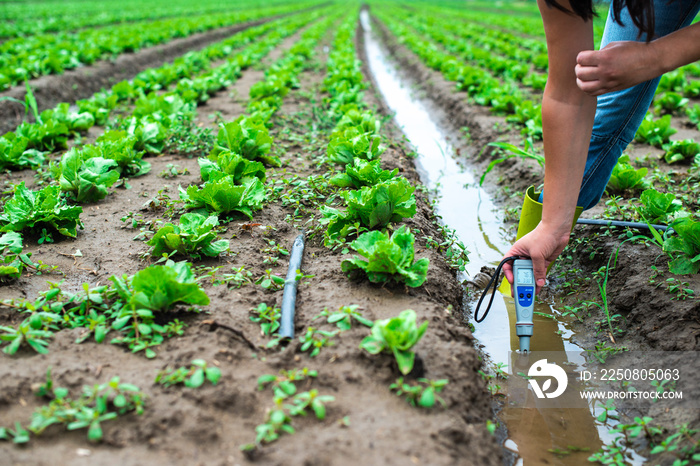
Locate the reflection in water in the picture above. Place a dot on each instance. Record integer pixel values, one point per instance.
(466, 208)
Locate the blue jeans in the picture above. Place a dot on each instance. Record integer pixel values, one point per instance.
(619, 114)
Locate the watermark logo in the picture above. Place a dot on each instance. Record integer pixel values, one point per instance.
(542, 368)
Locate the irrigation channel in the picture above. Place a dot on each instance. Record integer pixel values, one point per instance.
(531, 431)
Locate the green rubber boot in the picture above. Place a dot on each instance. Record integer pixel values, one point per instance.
(530, 217)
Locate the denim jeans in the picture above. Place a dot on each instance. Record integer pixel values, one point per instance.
(619, 114)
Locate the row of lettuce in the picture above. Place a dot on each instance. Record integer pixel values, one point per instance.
(492, 69)
(128, 308)
(19, 20)
(30, 57)
(84, 174)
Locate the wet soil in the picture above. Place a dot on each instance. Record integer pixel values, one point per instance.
(207, 425)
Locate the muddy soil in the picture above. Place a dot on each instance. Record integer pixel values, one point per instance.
(651, 317)
(365, 424)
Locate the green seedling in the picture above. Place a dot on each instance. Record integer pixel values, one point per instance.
(311, 399)
(191, 377)
(602, 352)
(32, 331)
(344, 316)
(669, 102)
(679, 289)
(96, 404)
(268, 317)
(273, 253)
(423, 393)
(238, 277)
(270, 281)
(19, 435)
(315, 339)
(173, 170)
(397, 335)
(283, 385)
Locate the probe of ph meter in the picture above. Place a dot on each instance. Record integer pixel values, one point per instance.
(524, 292)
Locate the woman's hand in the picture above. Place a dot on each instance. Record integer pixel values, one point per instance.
(618, 66)
(540, 245)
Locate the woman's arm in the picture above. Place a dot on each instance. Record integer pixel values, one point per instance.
(625, 64)
(567, 122)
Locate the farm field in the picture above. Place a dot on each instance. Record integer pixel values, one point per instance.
(153, 190)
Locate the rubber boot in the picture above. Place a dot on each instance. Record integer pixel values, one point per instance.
(530, 216)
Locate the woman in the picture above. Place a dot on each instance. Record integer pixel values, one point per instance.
(643, 39)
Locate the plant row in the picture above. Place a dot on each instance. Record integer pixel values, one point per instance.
(19, 20)
(30, 57)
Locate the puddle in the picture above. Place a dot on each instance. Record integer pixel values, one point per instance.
(532, 432)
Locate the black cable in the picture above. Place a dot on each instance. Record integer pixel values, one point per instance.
(495, 278)
(617, 223)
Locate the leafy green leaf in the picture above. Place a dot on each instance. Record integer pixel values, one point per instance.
(35, 210)
(625, 176)
(388, 257)
(222, 196)
(396, 335)
(247, 137)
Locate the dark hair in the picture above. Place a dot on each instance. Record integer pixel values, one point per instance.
(641, 11)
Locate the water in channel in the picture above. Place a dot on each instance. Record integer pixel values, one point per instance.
(533, 434)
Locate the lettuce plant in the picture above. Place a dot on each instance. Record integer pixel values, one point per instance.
(222, 196)
(119, 146)
(230, 163)
(34, 210)
(396, 335)
(149, 133)
(15, 153)
(86, 180)
(658, 207)
(195, 235)
(655, 132)
(361, 173)
(683, 151)
(684, 246)
(74, 121)
(669, 102)
(625, 176)
(157, 288)
(13, 262)
(370, 207)
(347, 145)
(365, 121)
(388, 257)
(247, 137)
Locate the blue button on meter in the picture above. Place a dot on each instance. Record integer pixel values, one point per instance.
(525, 295)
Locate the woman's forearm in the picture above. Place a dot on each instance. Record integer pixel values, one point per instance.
(567, 127)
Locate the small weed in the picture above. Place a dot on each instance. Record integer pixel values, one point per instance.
(344, 316)
(268, 317)
(173, 171)
(680, 290)
(602, 352)
(423, 393)
(191, 377)
(315, 339)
